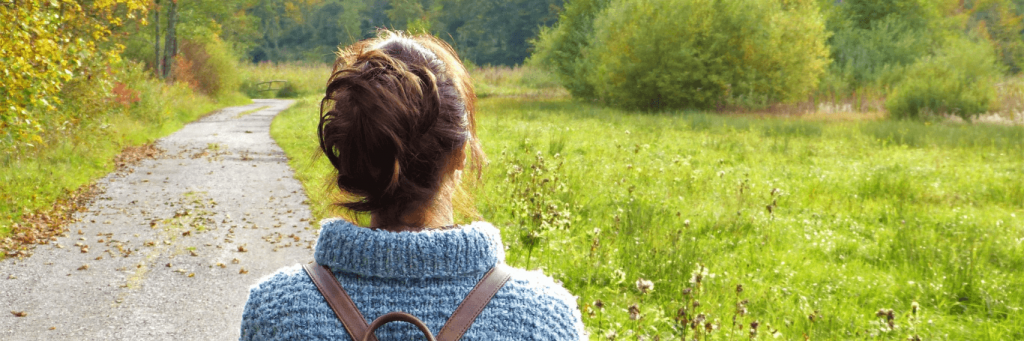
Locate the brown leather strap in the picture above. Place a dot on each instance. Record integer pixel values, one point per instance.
(344, 308)
(474, 303)
(454, 328)
(398, 316)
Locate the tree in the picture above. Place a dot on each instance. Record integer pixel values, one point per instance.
(43, 45)
(561, 48)
(171, 41)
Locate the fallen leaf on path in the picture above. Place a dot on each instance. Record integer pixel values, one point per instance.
(221, 265)
(19, 313)
(243, 271)
(84, 267)
(193, 253)
(191, 274)
(241, 248)
(234, 261)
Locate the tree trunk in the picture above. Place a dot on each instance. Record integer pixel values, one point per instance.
(171, 41)
(157, 60)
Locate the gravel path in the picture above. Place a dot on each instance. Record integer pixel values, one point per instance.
(170, 248)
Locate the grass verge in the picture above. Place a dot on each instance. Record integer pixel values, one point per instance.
(43, 179)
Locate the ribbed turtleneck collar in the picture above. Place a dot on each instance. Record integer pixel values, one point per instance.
(469, 249)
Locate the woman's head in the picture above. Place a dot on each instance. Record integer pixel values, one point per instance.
(396, 122)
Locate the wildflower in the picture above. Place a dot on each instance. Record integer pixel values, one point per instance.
(753, 329)
(599, 305)
(739, 288)
(644, 285)
(634, 312)
(611, 335)
(698, 274)
(914, 307)
(698, 322)
(681, 313)
(741, 308)
(686, 292)
(696, 303)
(686, 223)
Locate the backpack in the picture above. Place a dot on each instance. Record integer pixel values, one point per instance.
(454, 328)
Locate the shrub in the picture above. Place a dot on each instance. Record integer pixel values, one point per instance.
(208, 67)
(959, 80)
(862, 56)
(288, 90)
(698, 53)
(562, 49)
(865, 14)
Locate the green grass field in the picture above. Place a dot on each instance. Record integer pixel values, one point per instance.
(826, 225)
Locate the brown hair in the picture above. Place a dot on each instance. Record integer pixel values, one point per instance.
(395, 121)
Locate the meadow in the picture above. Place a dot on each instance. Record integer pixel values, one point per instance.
(692, 225)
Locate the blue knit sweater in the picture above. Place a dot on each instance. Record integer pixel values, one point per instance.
(426, 274)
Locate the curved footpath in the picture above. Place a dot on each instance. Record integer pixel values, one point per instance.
(169, 249)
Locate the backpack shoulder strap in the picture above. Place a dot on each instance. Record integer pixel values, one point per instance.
(337, 298)
(474, 303)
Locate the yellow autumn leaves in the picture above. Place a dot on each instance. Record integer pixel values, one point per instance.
(43, 45)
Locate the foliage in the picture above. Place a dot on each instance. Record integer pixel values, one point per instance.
(806, 228)
(68, 40)
(863, 56)
(303, 79)
(495, 32)
(488, 32)
(865, 14)
(289, 90)
(996, 21)
(696, 53)
(562, 48)
(959, 80)
(209, 67)
(97, 118)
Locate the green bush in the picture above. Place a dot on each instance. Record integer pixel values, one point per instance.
(959, 80)
(698, 53)
(863, 56)
(562, 49)
(865, 14)
(288, 90)
(209, 67)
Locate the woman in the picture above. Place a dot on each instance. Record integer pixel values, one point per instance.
(397, 123)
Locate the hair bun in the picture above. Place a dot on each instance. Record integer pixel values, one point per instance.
(392, 121)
